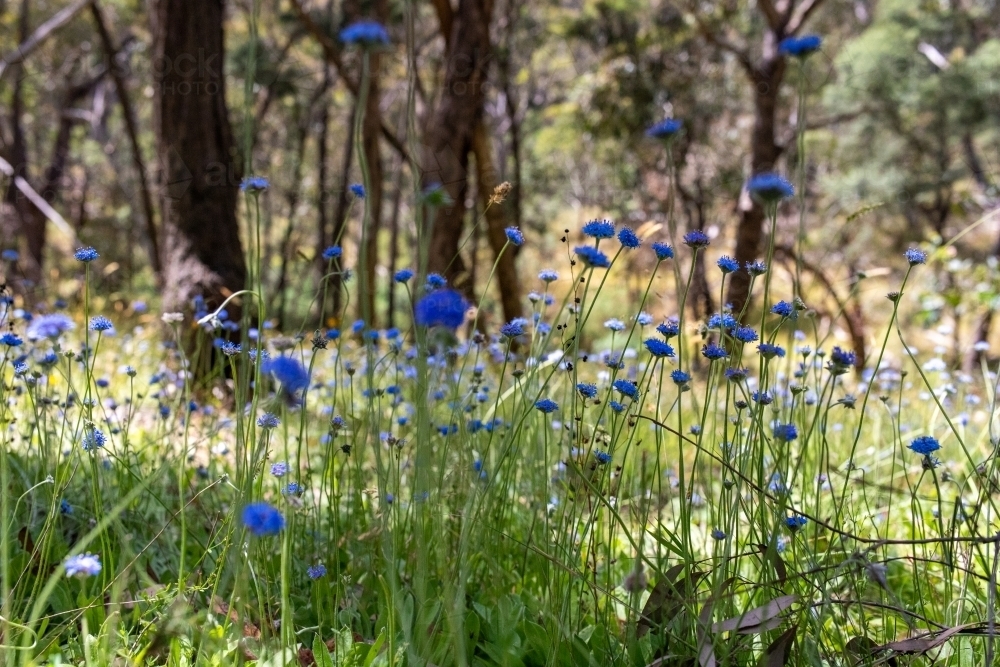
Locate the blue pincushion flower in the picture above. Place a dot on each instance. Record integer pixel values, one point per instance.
(10, 255)
(718, 534)
(436, 281)
(445, 308)
(268, 420)
(665, 129)
(254, 184)
(762, 397)
(616, 406)
(769, 187)
(93, 438)
(293, 489)
(745, 334)
(592, 257)
(548, 276)
(599, 229)
(783, 308)
(357, 190)
(644, 319)
(279, 469)
(261, 519)
(669, 329)
(100, 324)
(546, 405)
(712, 351)
(770, 351)
(786, 432)
(49, 326)
(11, 340)
(680, 377)
(82, 565)
(602, 456)
(696, 239)
(333, 252)
(626, 388)
(85, 255)
(587, 390)
(289, 371)
(800, 47)
(841, 360)
(925, 445)
(663, 251)
(514, 235)
(365, 34)
(727, 264)
(795, 522)
(512, 329)
(628, 238)
(756, 268)
(614, 324)
(403, 276)
(316, 571)
(737, 374)
(915, 256)
(658, 348)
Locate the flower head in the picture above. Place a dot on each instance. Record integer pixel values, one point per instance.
(628, 238)
(680, 377)
(665, 129)
(727, 264)
(696, 239)
(268, 420)
(548, 276)
(512, 329)
(925, 444)
(333, 252)
(795, 522)
(316, 571)
(436, 281)
(669, 329)
(769, 187)
(712, 352)
(93, 438)
(786, 432)
(262, 519)
(602, 456)
(592, 257)
(10, 255)
(365, 33)
(50, 326)
(357, 190)
(799, 47)
(83, 565)
(254, 184)
(101, 323)
(770, 351)
(745, 334)
(445, 308)
(85, 255)
(915, 256)
(599, 229)
(663, 251)
(842, 360)
(279, 469)
(403, 276)
(658, 348)
(736, 374)
(756, 268)
(783, 308)
(289, 371)
(546, 405)
(514, 235)
(11, 340)
(626, 388)
(587, 390)
(614, 324)
(718, 534)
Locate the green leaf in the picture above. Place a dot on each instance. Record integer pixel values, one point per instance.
(320, 653)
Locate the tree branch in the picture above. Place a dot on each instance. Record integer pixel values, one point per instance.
(446, 18)
(771, 13)
(742, 55)
(800, 15)
(38, 201)
(58, 20)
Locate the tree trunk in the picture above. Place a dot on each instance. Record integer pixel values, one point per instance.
(451, 131)
(764, 153)
(202, 253)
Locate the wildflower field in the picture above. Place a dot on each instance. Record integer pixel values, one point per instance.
(271, 473)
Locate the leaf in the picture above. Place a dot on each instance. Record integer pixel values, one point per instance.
(706, 651)
(759, 619)
(667, 598)
(919, 645)
(780, 650)
(321, 655)
(772, 556)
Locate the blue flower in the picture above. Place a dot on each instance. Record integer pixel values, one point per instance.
(737, 374)
(599, 229)
(615, 325)
(546, 405)
(279, 469)
(49, 326)
(289, 371)
(254, 184)
(231, 349)
(592, 257)
(293, 489)
(914, 256)
(333, 252)
(262, 519)
(268, 420)
(358, 326)
(770, 351)
(718, 534)
(745, 334)
(795, 522)
(786, 432)
(82, 565)
(925, 445)
(514, 235)
(21, 368)
(101, 323)
(843, 359)
(316, 571)
(436, 281)
(696, 239)
(357, 190)
(93, 438)
(85, 255)
(756, 268)
(628, 238)
(644, 319)
(626, 388)
(403, 276)
(727, 264)
(769, 187)
(587, 390)
(799, 47)
(548, 276)
(389, 498)
(10, 255)
(712, 351)
(783, 308)
(444, 308)
(11, 340)
(663, 251)
(680, 377)
(762, 397)
(669, 329)
(512, 330)
(365, 33)
(665, 129)
(602, 456)
(65, 508)
(722, 321)
(658, 348)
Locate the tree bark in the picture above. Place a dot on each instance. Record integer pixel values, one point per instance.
(450, 133)
(202, 253)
